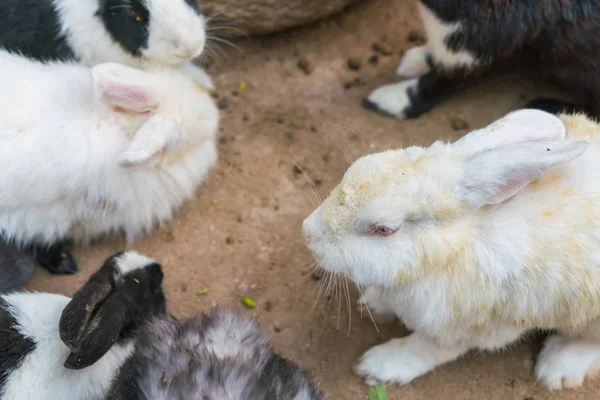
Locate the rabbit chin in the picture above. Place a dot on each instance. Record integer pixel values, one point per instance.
(366, 264)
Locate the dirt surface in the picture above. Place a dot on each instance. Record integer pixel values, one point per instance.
(241, 234)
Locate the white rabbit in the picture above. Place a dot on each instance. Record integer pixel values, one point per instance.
(474, 243)
(85, 152)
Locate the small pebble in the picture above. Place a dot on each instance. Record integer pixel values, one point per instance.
(276, 328)
(223, 140)
(245, 117)
(374, 59)
(458, 123)
(297, 170)
(240, 219)
(415, 37)
(183, 287)
(229, 240)
(381, 48)
(318, 182)
(304, 65)
(313, 128)
(353, 64)
(356, 82)
(223, 103)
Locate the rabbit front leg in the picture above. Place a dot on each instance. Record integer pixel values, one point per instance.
(199, 75)
(565, 361)
(399, 361)
(415, 62)
(413, 97)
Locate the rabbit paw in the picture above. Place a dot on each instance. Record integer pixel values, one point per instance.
(393, 362)
(415, 62)
(56, 259)
(565, 363)
(373, 299)
(393, 100)
(199, 76)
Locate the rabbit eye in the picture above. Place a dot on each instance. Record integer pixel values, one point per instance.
(135, 15)
(383, 231)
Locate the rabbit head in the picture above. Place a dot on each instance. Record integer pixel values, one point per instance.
(118, 299)
(166, 110)
(396, 216)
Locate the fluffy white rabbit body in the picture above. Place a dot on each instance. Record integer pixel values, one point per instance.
(474, 243)
(88, 151)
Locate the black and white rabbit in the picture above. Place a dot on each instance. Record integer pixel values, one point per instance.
(130, 32)
(97, 325)
(114, 340)
(220, 355)
(465, 37)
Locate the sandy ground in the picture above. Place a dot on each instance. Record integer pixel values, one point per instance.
(241, 234)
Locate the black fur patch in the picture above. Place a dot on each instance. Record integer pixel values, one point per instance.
(195, 5)
(13, 346)
(127, 23)
(55, 258)
(564, 36)
(16, 266)
(31, 27)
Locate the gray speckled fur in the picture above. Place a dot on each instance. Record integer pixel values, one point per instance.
(221, 355)
(16, 267)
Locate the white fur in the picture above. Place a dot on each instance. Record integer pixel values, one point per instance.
(393, 99)
(565, 362)
(132, 260)
(42, 374)
(497, 234)
(402, 360)
(73, 165)
(176, 35)
(414, 63)
(437, 31)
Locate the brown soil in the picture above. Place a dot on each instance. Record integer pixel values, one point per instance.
(241, 235)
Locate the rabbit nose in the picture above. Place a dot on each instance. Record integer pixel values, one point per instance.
(312, 227)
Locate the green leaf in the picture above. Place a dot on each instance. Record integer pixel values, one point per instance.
(202, 292)
(248, 302)
(378, 392)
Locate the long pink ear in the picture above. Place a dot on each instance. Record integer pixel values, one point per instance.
(492, 176)
(128, 88)
(158, 134)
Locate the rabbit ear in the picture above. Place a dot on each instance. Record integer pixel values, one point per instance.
(517, 127)
(101, 333)
(125, 87)
(158, 134)
(77, 315)
(492, 176)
